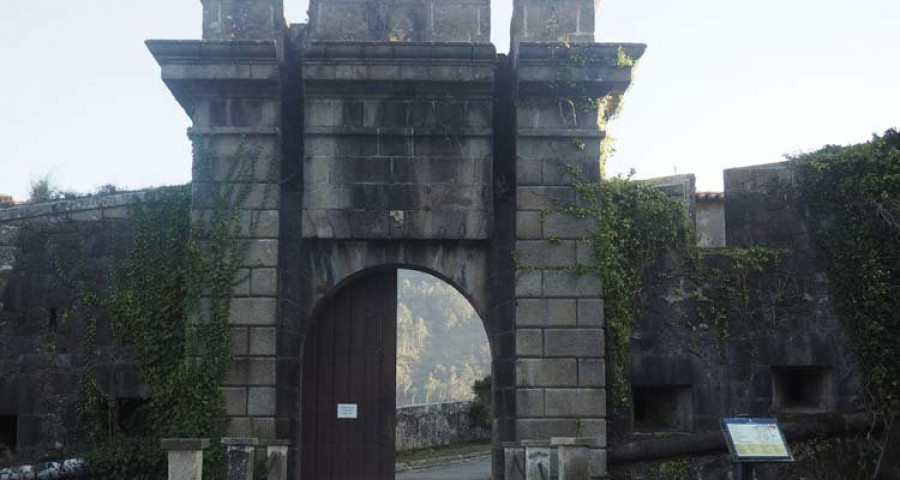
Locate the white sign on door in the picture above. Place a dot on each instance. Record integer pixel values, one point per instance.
(347, 410)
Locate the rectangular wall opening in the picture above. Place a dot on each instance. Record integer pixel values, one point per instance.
(9, 432)
(662, 408)
(802, 389)
(131, 415)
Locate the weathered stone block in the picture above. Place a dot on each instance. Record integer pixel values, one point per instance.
(252, 311)
(584, 252)
(528, 284)
(560, 283)
(528, 225)
(261, 401)
(261, 253)
(599, 462)
(580, 402)
(262, 341)
(339, 21)
(590, 312)
(530, 402)
(594, 428)
(528, 172)
(573, 342)
(264, 281)
(461, 22)
(239, 340)
(564, 225)
(514, 462)
(544, 198)
(235, 401)
(241, 20)
(239, 427)
(238, 373)
(544, 429)
(261, 371)
(529, 342)
(546, 372)
(263, 428)
(545, 253)
(320, 113)
(240, 457)
(591, 372)
(241, 283)
(545, 312)
(537, 461)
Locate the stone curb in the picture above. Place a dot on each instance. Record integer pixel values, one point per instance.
(438, 461)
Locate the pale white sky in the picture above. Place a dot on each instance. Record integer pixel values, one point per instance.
(724, 83)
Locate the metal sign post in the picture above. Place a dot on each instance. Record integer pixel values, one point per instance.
(755, 440)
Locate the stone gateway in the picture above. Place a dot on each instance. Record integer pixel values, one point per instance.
(401, 139)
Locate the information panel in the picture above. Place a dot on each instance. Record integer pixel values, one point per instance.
(347, 410)
(756, 440)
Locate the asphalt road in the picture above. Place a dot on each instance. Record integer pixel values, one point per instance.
(475, 469)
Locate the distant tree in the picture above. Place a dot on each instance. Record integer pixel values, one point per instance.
(43, 189)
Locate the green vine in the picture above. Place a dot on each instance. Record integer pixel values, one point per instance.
(852, 198)
(168, 304)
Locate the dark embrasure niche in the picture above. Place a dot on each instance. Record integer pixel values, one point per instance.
(802, 389)
(9, 426)
(662, 408)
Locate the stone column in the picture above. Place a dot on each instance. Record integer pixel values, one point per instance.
(574, 458)
(185, 457)
(240, 457)
(560, 342)
(232, 91)
(277, 452)
(537, 460)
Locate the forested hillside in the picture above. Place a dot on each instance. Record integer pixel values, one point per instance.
(442, 347)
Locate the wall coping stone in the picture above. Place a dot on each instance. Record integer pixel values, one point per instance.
(194, 50)
(573, 441)
(434, 51)
(240, 442)
(184, 443)
(64, 207)
(560, 51)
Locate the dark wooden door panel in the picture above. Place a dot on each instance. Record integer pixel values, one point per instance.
(350, 357)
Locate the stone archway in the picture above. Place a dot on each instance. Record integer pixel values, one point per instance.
(348, 361)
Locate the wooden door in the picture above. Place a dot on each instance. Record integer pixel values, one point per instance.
(350, 359)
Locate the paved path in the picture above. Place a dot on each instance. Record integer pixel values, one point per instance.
(474, 469)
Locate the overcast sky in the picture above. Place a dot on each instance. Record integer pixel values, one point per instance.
(724, 83)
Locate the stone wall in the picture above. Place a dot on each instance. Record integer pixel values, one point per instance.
(40, 337)
(428, 426)
(720, 339)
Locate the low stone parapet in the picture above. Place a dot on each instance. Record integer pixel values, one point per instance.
(433, 425)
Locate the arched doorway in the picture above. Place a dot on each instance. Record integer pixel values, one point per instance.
(350, 370)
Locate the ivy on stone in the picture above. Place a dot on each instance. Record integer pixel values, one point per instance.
(852, 199)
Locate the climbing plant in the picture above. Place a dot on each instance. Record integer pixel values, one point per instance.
(635, 224)
(168, 303)
(852, 198)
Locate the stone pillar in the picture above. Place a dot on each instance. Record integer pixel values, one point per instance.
(240, 457)
(574, 458)
(537, 460)
(232, 91)
(277, 452)
(560, 343)
(185, 457)
(242, 19)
